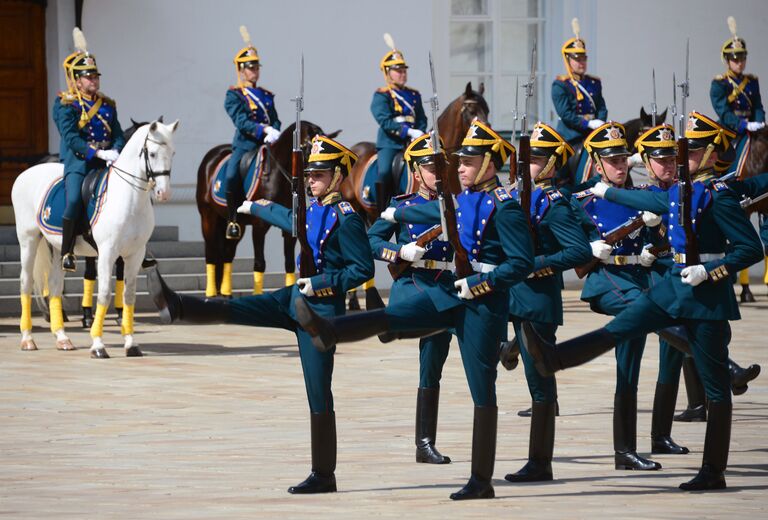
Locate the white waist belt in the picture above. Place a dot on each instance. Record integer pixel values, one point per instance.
(432, 264)
(704, 257)
(622, 260)
(482, 267)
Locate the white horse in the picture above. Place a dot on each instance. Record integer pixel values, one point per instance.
(123, 229)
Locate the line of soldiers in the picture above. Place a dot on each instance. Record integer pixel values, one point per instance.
(516, 276)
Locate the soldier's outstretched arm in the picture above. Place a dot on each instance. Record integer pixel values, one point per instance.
(575, 250)
(428, 213)
(752, 187)
(273, 214)
(378, 238)
(517, 244)
(745, 248)
(657, 202)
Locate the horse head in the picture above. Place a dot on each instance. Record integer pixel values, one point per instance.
(473, 105)
(157, 155)
(646, 119)
(309, 130)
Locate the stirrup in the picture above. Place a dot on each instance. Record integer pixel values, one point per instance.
(234, 232)
(68, 262)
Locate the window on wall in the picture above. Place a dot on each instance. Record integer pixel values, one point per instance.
(490, 41)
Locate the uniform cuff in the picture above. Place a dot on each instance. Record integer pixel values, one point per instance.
(478, 285)
(389, 253)
(323, 286)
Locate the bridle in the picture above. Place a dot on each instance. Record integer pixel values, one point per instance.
(137, 181)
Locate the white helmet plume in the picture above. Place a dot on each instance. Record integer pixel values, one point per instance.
(732, 26)
(79, 39)
(245, 35)
(389, 41)
(575, 27)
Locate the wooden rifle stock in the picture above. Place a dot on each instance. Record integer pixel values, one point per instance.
(398, 268)
(306, 259)
(685, 186)
(524, 181)
(612, 238)
(463, 267)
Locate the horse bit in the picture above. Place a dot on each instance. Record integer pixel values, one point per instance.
(151, 174)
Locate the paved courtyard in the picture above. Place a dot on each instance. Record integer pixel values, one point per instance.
(213, 423)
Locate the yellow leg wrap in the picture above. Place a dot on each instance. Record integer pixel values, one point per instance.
(258, 282)
(744, 277)
(88, 286)
(97, 329)
(127, 323)
(26, 313)
(46, 292)
(210, 280)
(57, 315)
(119, 290)
(369, 284)
(226, 280)
(290, 279)
(765, 276)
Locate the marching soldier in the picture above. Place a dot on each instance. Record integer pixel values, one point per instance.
(577, 96)
(700, 296)
(736, 99)
(430, 265)
(400, 115)
(342, 259)
(252, 110)
(618, 280)
(90, 136)
(560, 244)
(494, 232)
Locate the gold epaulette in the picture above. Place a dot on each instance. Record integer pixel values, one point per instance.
(562, 77)
(720, 77)
(382, 90)
(67, 98)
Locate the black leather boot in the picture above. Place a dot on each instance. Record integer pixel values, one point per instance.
(549, 358)
(540, 445)
(483, 455)
(322, 478)
(68, 237)
(529, 411)
(327, 332)
(509, 353)
(697, 410)
(383, 194)
(661, 421)
(625, 435)
(234, 231)
(178, 307)
(677, 337)
(427, 401)
(716, 443)
(741, 376)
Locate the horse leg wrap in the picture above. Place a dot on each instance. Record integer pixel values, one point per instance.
(126, 327)
(226, 280)
(765, 276)
(119, 291)
(46, 291)
(26, 313)
(258, 282)
(88, 286)
(97, 329)
(290, 279)
(369, 284)
(210, 280)
(57, 315)
(744, 277)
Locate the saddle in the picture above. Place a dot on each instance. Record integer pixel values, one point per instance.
(245, 162)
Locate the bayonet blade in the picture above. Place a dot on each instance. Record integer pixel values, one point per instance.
(653, 105)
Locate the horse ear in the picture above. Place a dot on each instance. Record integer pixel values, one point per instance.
(334, 134)
(662, 117)
(153, 127)
(134, 123)
(643, 114)
(174, 125)
(481, 90)
(468, 89)
(160, 119)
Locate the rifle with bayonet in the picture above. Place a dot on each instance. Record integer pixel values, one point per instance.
(444, 196)
(423, 240)
(612, 238)
(299, 193)
(654, 107)
(524, 151)
(684, 181)
(515, 117)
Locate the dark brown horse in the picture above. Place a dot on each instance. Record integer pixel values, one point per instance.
(635, 127)
(453, 124)
(274, 184)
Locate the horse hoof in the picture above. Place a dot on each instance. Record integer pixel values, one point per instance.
(133, 351)
(99, 353)
(65, 344)
(28, 344)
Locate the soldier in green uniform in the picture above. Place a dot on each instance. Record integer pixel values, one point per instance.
(698, 297)
(399, 112)
(252, 110)
(91, 136)
(493, 230)
(560, 244)
(429, 264)
(342, 259)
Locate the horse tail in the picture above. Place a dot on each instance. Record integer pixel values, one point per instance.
(43, 263)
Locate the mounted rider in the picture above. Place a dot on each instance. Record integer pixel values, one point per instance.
(252, 110)
(90, 135)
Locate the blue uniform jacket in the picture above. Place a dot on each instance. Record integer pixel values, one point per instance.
(574, 114)
(735, 109)
(394, 123)
(721, 227)
(249, 124)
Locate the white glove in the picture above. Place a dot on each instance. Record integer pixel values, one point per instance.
(410, 252)
(634, 160)
(600, 249)
(305, 287)
(108, 156)
(413, 133)
(599, 189)
(651, 219)
(270, 134)
(694, 275)
(594, 124)
(754, 126)
(647, 258)
(245, 207)
(463, 287)
(388, 215)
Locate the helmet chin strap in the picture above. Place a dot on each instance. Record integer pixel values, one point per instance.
(483, 168)
(334, 180)
(543, 174)
(707, 152)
